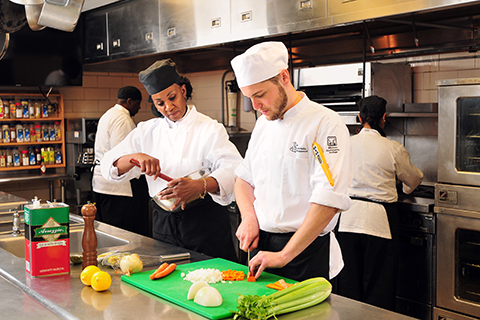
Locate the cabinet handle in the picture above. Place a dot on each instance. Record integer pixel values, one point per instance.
(100, 46)
(116, 43)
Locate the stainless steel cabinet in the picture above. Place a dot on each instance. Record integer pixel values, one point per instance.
(193, 23)
(122, 30)
(95, 44)
(133, 27)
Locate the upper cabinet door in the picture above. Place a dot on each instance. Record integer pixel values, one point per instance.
(95, 33)
(133, 27)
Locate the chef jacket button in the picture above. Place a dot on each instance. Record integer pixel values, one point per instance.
(279, 156)
(287, 125)
(261, 181)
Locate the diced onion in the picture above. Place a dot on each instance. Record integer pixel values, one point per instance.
(208, 275)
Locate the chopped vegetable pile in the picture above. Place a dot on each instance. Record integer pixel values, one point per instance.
(232, 275)
(208, 275)
(296, 297)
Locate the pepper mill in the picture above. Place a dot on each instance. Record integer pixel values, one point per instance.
(89, 240)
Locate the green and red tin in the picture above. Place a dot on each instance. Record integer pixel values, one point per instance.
(47, 239)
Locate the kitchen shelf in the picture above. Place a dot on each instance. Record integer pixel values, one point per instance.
(412, 114)
(61, 165)
(16, 144)
(58, 116)
(31, 119)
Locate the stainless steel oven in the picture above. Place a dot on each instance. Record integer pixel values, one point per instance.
(459, 131)
(457, 201)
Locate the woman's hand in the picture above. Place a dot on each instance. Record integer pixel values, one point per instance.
(148, 165)
(184, 190)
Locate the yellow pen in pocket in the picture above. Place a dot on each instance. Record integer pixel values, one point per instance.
(317, 150)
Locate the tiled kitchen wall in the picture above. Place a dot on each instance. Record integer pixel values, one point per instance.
(99, 92)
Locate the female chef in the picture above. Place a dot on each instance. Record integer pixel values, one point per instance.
(180, 141)
(366, 231)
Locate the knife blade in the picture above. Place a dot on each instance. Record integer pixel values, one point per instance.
(248, 259)
(154, 260)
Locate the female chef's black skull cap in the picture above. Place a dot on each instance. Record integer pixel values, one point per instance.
(372, 107)
(159, 76)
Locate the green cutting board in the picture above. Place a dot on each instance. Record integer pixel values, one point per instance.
(174, 289)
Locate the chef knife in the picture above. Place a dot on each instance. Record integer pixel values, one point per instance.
(149, 260)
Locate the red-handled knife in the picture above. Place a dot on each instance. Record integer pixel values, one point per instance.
(160, 175)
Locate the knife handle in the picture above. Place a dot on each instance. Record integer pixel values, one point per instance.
(161, 175)
(176, 256)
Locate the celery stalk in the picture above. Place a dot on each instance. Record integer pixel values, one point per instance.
(299, 296)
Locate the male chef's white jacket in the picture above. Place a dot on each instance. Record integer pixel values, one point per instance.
(378, 162)
(113, 127)
(194, 142)
(286, 176)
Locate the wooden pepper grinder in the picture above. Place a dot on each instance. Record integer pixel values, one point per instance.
(89, 240)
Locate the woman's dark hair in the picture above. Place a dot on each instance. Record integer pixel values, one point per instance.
(372, 110)
(182, 81)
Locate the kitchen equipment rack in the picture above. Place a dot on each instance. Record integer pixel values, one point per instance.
(59, 117)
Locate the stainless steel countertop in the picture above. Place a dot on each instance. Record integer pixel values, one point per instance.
(68, 298)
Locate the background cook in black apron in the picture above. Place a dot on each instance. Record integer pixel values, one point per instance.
(367, 231)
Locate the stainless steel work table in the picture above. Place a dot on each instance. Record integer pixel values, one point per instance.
(67, 298)
(8, 177)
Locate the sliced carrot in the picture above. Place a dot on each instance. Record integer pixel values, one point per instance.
(251, 277)
(274, 286)
(162, 267)
(166, 272)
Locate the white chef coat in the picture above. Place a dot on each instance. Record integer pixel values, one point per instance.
(194, 142)
(113, 127)
(286, 176)
(377, 161)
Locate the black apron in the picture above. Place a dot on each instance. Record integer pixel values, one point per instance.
(204, 227)
(371, 262)
(312, 262)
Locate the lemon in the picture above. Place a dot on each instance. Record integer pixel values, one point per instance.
(101, 281)
(87, 273)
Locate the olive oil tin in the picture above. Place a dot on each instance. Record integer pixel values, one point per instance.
(47, 239)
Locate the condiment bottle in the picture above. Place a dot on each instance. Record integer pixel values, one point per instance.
(44, 109)
(38, 155)
(19, 110)
(25, 110)
(25, 158)
(31, 108)
(58, 155)
(38, 109)
(33, 135)
(6, 133)
(6, 110)
(51, 155)
(16, 157)
(12, 109)
(1, 109)
(44, 155)
(19, 132)
(38, 133)
(26, 133)
(13, 135)
(45, 132)
(89, 239)
(9, 157)
(3, 161)
(51, 130)
(58, 132)
(32, 157)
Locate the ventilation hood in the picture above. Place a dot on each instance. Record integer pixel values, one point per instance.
(205, 35)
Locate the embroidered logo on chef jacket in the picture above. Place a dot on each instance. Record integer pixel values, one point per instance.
(332, 146)
(296, 148)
